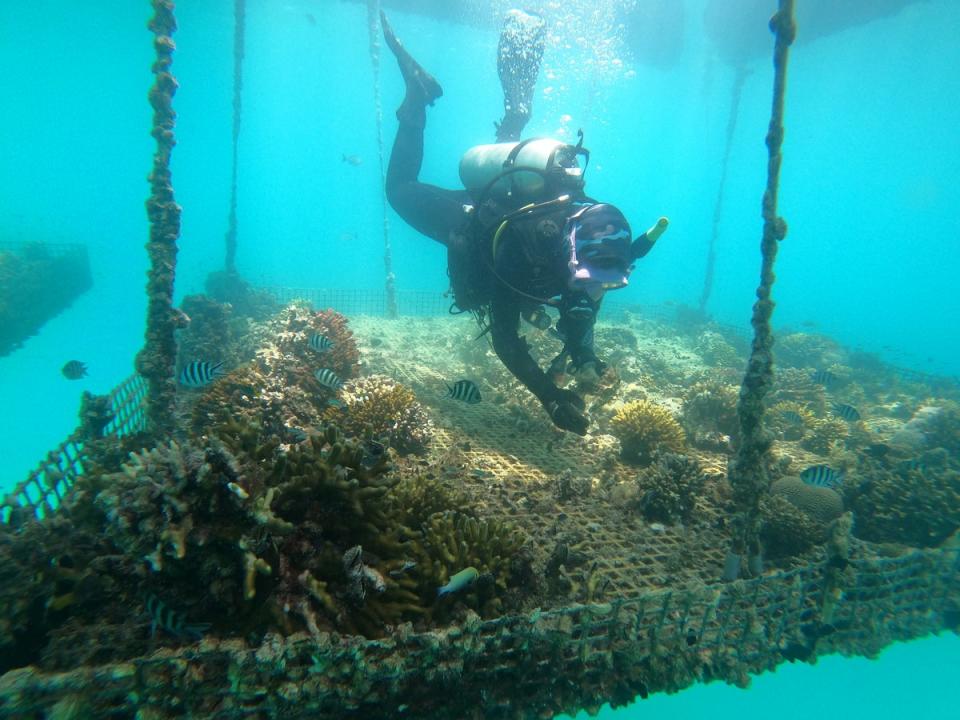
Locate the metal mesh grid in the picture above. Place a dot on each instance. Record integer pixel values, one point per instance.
(523, 666)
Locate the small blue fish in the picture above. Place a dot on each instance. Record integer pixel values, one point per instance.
(463, 579)
(354, 160)
(465, 390)
(407, 566)
(823, 377)
(320, 342)
(792, 416)
(847, 412)
(822, 476)
(328, 378)
(200, 373)
(172, 621)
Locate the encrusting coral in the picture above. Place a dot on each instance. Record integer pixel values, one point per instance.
(643, 427)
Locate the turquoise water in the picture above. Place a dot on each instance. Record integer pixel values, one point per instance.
(869, 189)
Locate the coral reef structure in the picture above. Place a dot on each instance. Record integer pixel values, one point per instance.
(643, 427)
(669, 488)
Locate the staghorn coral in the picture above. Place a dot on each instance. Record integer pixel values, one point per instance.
(385, 410)
(297, 322)
(819, 503)
(914, 502)
(416, 498)
(643, 427)
(796, 385)
(669, 488)
(709, 415)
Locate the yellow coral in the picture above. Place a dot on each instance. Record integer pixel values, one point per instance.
(643, 427)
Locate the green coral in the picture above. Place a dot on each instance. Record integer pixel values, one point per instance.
(643, 427)
(453, 541)
(669, 488)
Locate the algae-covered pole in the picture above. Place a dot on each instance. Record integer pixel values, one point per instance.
(239, 19)
(748, 469)
(155, 362)
(373, 25)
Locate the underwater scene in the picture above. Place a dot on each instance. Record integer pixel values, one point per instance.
(439, 359)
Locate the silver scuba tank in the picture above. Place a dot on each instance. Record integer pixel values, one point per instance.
(522, 170)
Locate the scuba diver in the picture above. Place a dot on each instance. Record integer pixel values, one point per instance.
(522, 235)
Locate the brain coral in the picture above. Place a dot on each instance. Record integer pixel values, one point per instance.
(644, 427)
(820, 503)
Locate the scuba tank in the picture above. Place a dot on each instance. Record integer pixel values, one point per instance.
(525, 171)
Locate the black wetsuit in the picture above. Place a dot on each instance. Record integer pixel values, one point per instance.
(530, 266)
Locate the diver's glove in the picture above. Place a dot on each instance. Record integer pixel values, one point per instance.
(566, 408)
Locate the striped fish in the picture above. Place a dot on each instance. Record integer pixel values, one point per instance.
(320, 342)
(200, 373)
(823, 377)
(465, 390)
(822, 476)
(792, 416)
(847, 412)
(170, 620)
(328, 378)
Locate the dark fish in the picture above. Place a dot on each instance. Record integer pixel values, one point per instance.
(823, 377)
(320, 342)
(354, 160)
(372, 453)
(400, 571)
(792, 416)
(465, 390)
(200, 373)
(170, 620)
(822, 476)
(877, 450)
(74, 370)
(295, 434)
(847, 412)
(311, 19)
(328, 378)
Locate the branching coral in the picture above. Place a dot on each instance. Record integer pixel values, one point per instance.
(385, 410)
(709, 415)
(453, 541)
(644, 427)
(716, 351)
(670, 487)
(824, 435)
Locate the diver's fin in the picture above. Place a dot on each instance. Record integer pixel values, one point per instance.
(422, 87)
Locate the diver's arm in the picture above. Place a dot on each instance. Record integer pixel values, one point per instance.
(564, 406)
(578, 315)
(644, 244)
(512, 349)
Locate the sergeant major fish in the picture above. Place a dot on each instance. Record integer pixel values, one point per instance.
(328, 378)
(465, 390)
(822, 476)
(170, 620)
(200, 373)
(320, 342)
(847, 412)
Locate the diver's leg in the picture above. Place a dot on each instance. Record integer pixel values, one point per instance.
(431, 210)
(518, 64)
